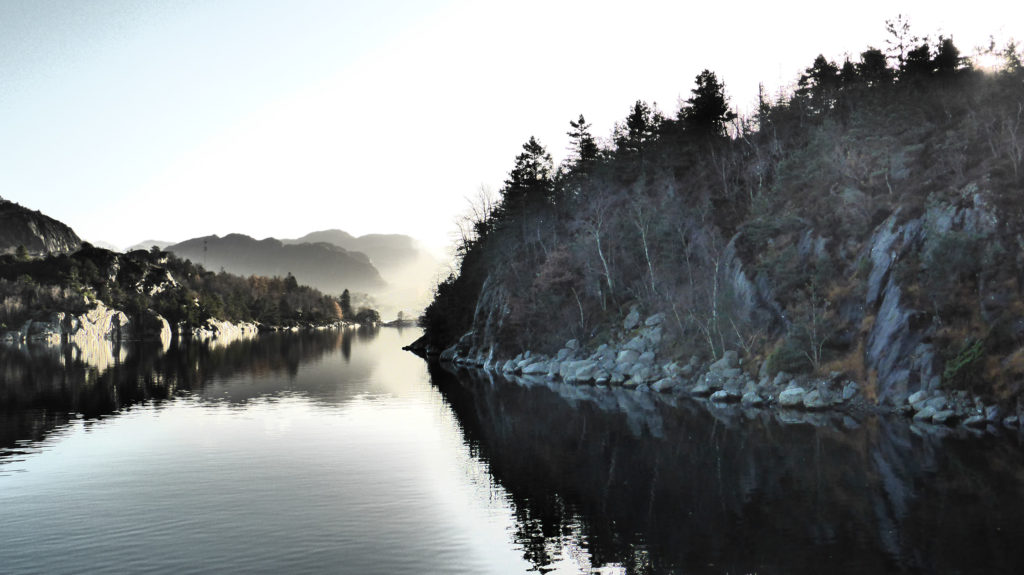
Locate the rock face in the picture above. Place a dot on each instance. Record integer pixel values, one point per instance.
(39, 234)
(98, 324)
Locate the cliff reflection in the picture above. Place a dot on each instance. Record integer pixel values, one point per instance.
(43, 387)
(652, 486)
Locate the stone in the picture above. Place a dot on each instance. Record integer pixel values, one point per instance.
(643, 388)
(782, 378)
(944, 417)
(850, 391)
(816, 400)
(632, 319)
(702, 388)
(751, 398)
(646, 358)
(917, 397)
(539, 368)
(714, 380)
(664, 384)
(573, 344)
(627, 356)
(723, 396)
(636, 344)
(729, 361)
(993, 413)
(655, 320)
(1011, 421)
(792, 397)
(653, 336)
(937, 403)
(976, 421)
(925, 414)
(686, 370)
(563, 354)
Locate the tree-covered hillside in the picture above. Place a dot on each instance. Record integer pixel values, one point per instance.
(869, 221)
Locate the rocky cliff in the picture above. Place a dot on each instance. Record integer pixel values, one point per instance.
(38, 233)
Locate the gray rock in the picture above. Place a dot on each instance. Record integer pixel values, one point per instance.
(653, 335)
(751, 398)
(850, 391)
(573, 344)
(814, 400)
(729, 361)
(723, 396)
(656, 319)
(714, 380)
(646, 358)
(792, 397)
(937, 403)
(944, 417)
(664, 384)
(509, 366)
(563, 354)
(731, 373)
(993, 413)
(686, 370)
(541, 367)
(782, 378)
(627, 356)
(702, 388)
(643, 388)
(976, 421)
(926, 414)
(632, 320)
(636, 344)
(1011, 421)
(917, 397)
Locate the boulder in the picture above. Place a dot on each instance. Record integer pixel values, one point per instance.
(573, 345)
(632, 319)
(917, 397)
(664, 384)
(725, 396)
(730, 360)
(751, 398)
(850, 391)
(976, 421)
(944, 417)
(926, 414)
(627, 356)
(538, 368)
(654, 320)
(646, 358)
(816, 400)
(792, 397)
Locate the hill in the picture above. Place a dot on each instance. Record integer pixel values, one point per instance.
(866, 227)
(38, 233)
(325, 266)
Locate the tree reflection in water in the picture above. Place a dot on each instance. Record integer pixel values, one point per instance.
(658, 485)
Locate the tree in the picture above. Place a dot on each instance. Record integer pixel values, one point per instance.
(21, 254)
(819, 84)
(582, 143)
(530, 182)
(873, 68)
(707, 109)
(947, 58)
(345, 302)
(640, 128)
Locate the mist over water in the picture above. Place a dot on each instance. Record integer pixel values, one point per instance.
(336, 452)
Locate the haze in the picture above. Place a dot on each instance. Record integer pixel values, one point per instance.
(132, 121)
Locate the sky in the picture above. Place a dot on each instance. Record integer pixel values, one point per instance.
(136, 120)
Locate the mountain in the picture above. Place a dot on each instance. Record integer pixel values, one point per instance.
(148, 244)
(325, 266)
(40, 234)
(410, 270)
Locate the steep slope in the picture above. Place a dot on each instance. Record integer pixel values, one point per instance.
(39, 234)
(324, 266)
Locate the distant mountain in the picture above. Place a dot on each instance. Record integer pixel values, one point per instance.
(387, 252)
(40, 234)
(322, 265)
(147, 244)
(410, 270)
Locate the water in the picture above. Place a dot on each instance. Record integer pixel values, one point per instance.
(339, 453)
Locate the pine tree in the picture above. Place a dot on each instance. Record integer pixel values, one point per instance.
(707, 110)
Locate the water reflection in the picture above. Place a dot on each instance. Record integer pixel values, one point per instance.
(654, 486)
(44, 387)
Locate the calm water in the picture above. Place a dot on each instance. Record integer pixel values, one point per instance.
(331, 453)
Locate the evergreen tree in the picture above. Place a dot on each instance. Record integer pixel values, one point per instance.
(345, 302)
(582, 143)
(873, 68)
(530, 183)
(640, 128)
(947, 58)
(707, 110)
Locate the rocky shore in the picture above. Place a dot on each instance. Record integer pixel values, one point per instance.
(635, 361)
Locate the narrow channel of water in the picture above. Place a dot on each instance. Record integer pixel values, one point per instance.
(339, 453)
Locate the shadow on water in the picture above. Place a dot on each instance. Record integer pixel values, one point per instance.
(44, 387)
(658, 485)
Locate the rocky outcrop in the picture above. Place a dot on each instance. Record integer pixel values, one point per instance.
(37, 233)
(221, 333)
(98, 324)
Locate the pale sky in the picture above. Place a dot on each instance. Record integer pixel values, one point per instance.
(131, 120)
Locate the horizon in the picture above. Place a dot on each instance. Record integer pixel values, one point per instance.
(255, 117)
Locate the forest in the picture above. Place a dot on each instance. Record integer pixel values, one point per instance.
(875, 204)
(184, 293)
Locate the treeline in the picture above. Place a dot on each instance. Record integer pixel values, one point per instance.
(182, 292)
(701, 213)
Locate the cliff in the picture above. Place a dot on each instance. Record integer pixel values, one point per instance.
(857, 242)
(39, 234)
